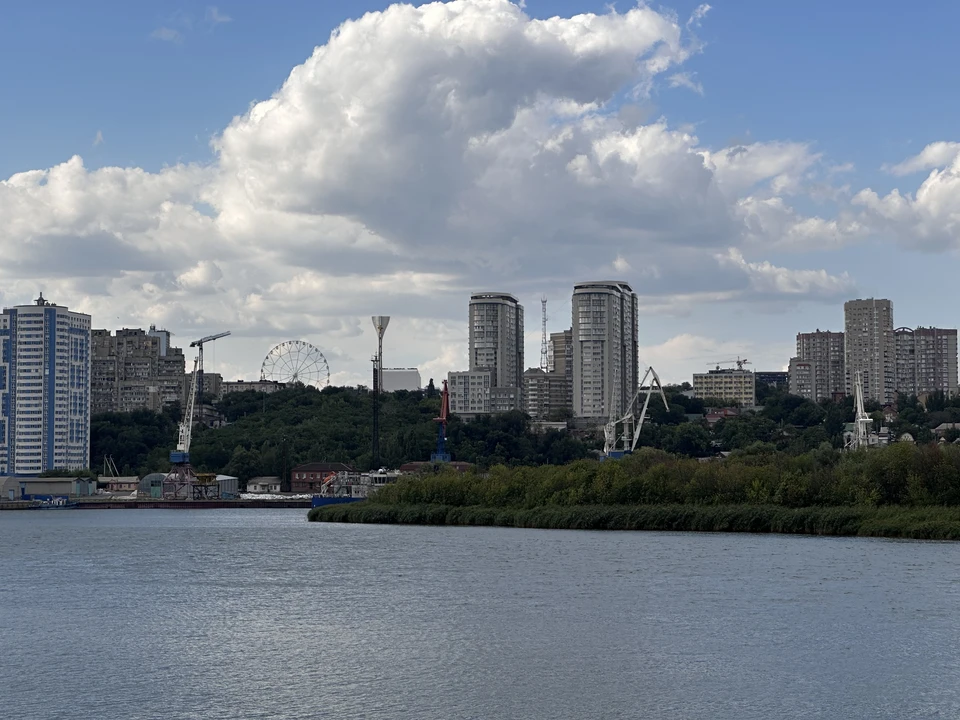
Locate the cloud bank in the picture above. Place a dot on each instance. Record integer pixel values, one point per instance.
(424, 152)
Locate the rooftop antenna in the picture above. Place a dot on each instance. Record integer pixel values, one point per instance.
(543, 338)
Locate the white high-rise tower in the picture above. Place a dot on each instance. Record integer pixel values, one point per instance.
(605, 348)
(44, 389)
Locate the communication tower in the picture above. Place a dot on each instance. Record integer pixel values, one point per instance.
(543, 337)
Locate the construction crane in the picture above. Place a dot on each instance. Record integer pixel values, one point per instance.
(738, 362)
(199, 345)
(181, 475)
(616, 446)
(441, 455)
(861, 422)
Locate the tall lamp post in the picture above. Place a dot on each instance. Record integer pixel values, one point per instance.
(380, 323)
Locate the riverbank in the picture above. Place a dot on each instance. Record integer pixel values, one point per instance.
(930, 523)
(155, 504)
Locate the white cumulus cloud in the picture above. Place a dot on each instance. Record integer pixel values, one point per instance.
(421, 153)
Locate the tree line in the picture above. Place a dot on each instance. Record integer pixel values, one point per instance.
(269, 434)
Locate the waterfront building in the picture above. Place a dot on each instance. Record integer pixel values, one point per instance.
(819, 371)
(393, 379)
(926, 360)
(310, 477)
(729, 385)
(134, 370)
(869, 348)
(496, 347)
(44, 389)
(605, 348)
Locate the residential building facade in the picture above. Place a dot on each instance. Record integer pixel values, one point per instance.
(211, 385)
(605, 348)
(44, 389)
(134, 370)
(926, 360)
(820, 367)
(729, 385)
(235, 386)
(469, 392)
(776, 378)
(496, 346)
(803, 378)
(545, 394)
(869, 348)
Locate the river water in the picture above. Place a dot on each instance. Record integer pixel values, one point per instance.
(259, 614)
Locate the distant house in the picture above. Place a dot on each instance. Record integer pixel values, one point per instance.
(941, 429)
(715, 415)
(122, 484)
(263, 485)
(310, 477)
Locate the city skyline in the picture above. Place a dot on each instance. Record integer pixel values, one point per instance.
(753, 210)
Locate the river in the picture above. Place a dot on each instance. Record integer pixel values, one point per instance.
(207, 614)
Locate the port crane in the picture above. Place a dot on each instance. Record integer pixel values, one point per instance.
(861, 422)
(441, 455)
(616, 446)
(199, 345)
(177, 483)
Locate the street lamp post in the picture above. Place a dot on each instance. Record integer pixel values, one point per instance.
(380, 323)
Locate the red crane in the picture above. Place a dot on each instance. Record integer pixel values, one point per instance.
(441, 455)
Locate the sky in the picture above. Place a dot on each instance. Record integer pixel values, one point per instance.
(286, 170)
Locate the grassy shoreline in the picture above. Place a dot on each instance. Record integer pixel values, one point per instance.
(921, 523)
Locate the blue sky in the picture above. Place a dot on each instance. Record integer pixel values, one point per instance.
(865, 84)
(865, 81)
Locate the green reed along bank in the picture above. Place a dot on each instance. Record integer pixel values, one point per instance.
(903, 491)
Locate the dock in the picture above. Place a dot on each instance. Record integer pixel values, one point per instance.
(158, 504)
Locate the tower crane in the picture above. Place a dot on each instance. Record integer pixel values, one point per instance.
(738, 362)
(615, 446)
(199, 345)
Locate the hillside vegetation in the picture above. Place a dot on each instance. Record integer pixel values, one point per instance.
(265, 432)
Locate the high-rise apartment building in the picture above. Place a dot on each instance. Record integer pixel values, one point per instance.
(869, 348)
(44, 389)
(135, 370)
(605, 350)
(820, 366)
(926, 360)
(496, 346)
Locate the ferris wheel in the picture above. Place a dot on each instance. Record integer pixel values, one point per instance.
(296, 361)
